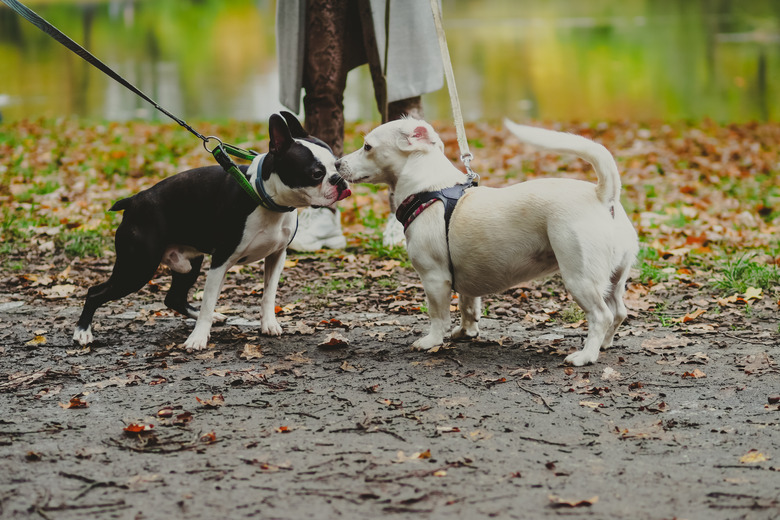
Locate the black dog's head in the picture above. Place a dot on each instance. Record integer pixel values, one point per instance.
(304, 164)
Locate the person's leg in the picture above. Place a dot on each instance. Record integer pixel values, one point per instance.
(411, 107)
(326, 64)
(332, 48)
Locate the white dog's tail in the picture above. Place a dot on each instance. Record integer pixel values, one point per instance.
(608, 187)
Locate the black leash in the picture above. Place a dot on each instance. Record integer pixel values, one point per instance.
(220, 150)
(38, 21)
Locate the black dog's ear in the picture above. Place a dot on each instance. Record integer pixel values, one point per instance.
(296, 130)
(281, 139)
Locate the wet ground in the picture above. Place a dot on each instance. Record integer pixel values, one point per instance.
(339, 418)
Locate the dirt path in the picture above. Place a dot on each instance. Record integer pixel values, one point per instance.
(673, 422)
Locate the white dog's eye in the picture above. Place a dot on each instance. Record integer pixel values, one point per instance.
(367, 147)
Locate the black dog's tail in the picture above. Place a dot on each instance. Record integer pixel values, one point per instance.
(121, 204)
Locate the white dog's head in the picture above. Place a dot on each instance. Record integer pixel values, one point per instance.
(387, 149)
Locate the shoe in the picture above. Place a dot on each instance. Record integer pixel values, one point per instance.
(318, 228)
(393, 235)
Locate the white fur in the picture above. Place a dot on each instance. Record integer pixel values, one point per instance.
(501, 237)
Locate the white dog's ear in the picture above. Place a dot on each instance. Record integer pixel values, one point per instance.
(420, 138)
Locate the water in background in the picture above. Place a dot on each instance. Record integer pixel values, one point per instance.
(541, 59)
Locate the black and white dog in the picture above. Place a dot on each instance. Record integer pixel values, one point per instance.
(205, 211)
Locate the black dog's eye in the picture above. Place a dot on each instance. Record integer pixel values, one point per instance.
(318, 174)
(367, 147)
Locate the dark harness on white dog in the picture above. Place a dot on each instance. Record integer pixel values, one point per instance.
(415, 204)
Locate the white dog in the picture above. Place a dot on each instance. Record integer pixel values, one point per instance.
(498, 238)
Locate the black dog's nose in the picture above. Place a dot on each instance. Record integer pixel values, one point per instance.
(337, 180)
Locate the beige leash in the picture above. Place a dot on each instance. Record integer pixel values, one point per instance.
(463, 144)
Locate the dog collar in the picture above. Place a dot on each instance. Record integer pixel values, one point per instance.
(265, 200)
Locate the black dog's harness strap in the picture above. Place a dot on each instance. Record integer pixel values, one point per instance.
(415, 204)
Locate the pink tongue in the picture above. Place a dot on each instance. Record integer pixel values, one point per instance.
(344, 194)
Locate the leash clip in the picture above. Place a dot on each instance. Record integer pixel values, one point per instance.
(471, 176)
(209, 138)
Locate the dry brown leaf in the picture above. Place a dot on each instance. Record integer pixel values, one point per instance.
(334, 340)
(753, 457)
(251, 352)
(215, 401)
(559, 502)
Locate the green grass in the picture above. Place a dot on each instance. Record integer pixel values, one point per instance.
(572, 314)
(78, 243)
(737, 275)
(335, 285)
(650, 270)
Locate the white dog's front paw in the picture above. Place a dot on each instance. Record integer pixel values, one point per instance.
(461, 333)
(83, 337)
(581, 358)
(428, 342)
(393, 234)
(271, 327)
(197, 341)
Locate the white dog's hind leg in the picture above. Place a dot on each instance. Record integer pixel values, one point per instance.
(438, 292)
(199, 337)
(588, 294)
(470, 309)
(614, 300)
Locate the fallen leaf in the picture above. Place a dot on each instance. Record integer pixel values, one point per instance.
(667, 342)
(37, 340)
(334, 340)
(575, 325)
(730, 299)
(696, 374)
(251, 352)
(753, 457)
(302, 328)
(74, 402)
(165, 412)
(610, 374)
(753, 293)
(559, 502)
(690, 316)
(218, 373)
(402, 457)
(183, 419)
(215, 401)
(346, 367)
(591, 404)
(59, 291)
(138, 428)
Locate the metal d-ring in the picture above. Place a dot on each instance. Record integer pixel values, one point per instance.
(209, 138)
